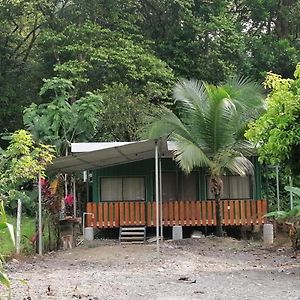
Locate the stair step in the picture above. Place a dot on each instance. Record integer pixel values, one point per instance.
(132, 228)
(132, 242)
(132, 233)
(127, 238)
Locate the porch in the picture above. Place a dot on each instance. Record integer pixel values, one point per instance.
(183, 213)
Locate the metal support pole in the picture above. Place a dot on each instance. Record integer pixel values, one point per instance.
(157, 198)
(291, 193)
(40, 217)
(161, 201)
(87, 186)
(277, 187)
(74, 198)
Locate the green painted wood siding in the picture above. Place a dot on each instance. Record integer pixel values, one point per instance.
(146, 168)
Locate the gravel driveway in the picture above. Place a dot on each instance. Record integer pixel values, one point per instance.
(206, 268)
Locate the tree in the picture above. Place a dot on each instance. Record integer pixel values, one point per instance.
(21, 162)
(65, 119)
(123, 114)
(100, 45)
(276, 133)
(198, 39)
(209, 127)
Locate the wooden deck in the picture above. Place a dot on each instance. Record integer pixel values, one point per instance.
(184, 213)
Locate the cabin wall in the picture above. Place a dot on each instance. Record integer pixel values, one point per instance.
(146, 169)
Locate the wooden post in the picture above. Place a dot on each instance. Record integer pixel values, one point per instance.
(18, 229)
(40, 217)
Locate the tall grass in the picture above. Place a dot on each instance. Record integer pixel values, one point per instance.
(27, 229)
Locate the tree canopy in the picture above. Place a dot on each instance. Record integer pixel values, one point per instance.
(277, 132)
(144, 45)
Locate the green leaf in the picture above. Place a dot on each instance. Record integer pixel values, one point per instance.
(293, 189)
(4, 280)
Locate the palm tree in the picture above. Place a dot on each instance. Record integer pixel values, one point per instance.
(209, 129)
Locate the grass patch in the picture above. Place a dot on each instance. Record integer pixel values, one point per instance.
(27, 229)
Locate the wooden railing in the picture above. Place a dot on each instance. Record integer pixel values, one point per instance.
(185, 213)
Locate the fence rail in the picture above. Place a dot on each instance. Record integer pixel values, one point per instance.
(184, 213)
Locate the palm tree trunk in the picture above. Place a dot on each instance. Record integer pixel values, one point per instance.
(216, 188)
(219, 231)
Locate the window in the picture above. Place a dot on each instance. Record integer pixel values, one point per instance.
(234, 187)
(169, 186)
(122, 188)
(188, 186)
(179, 186)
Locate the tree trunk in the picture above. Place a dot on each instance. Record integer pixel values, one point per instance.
(219, 231)
(216, 189)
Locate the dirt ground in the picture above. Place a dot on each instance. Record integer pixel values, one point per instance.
(205, 268)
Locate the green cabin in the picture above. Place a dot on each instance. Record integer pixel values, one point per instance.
(134, 182)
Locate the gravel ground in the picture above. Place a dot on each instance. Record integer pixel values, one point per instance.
(206, 268)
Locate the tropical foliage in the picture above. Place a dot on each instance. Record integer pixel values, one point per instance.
(291, 213)
(65, 119)
(209, 128)
(4, 225)
(145, 45)
(20, 163)
(277, 133)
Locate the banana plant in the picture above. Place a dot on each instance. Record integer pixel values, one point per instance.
(292, 213)
(4, 280)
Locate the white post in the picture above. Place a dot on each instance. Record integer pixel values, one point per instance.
(291, 193)
(40, 217)
(160, 201)
(18, 229)
(74, 197)
(277, 188)
(157, 197)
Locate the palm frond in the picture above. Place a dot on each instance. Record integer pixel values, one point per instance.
(189, 155)
(245, 147)
(235, 163)
(247, 94)
(191, 94)
(220, 124)
(165, 125)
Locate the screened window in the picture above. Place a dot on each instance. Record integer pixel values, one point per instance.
(234, 187)
(187, 186)
(169, 186)
(122, 189)
(179, 186)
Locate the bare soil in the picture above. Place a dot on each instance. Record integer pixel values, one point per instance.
(205, 268)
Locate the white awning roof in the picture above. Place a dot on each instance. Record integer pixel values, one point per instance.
(109, 156)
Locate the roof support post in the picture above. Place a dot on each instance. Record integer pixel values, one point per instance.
(160, 201)
(157, 197)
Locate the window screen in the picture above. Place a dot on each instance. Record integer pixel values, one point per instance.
(169, 186)
(122, 188)
(187, 186)
(234, 187)
(133, 188)
(111, 189)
